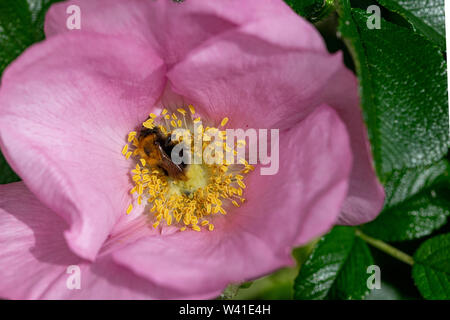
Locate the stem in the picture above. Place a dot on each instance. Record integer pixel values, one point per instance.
(383, 246)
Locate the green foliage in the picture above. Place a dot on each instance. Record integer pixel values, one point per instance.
(431, 271)
(417, 203)
(425, 16)
(336, 269)
(403, 94)
(403, 88)
(313, 10)
(7, 175)
(21, 25)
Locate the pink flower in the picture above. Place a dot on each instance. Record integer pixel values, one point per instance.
(68, 103)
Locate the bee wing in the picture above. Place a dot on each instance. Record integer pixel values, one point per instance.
(172, 169)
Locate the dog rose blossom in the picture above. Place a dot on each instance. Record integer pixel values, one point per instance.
(73, 110)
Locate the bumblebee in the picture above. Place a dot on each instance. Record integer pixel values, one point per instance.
(157, 148)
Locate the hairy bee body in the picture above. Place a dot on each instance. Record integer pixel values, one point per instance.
(157, 148)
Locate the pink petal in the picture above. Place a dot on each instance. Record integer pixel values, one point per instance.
(253, 82)
(34, 258)
(258, 85)
(66, 106)
(366, 195)
(31, 236)
(174, 29)
(300, 202)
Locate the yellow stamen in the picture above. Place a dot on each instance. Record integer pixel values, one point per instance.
(130, 207)
(241, 184)
(149, 124)
(131, 136)
(224, 122)
(205, 190)
(125, 149)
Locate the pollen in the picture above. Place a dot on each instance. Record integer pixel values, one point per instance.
(130, 207)
(125, 149)
(131, 136)
(224, 122)
(188, 197)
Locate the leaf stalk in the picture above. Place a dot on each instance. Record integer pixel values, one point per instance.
(386, 248)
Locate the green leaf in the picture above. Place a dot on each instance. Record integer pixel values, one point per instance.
(336, 269)
(425, 16)
(417, 203)
(313, 10)
(7, 175)
(246, 285)
(431, 270)
(21, 25)
(403, 88)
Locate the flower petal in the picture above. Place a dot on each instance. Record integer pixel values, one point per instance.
(66, 106)
(35, 259)
(301, 201)
(31, 236)
(259, 85)
(255, 83)
(174, 29)
(366, 195)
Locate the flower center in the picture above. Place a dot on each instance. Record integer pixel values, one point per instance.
(179, 189)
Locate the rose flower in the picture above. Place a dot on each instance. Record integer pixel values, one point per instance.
(85, 120)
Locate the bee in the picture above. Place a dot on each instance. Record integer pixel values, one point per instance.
(157, 147)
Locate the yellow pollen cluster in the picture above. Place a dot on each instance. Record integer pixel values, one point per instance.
(205, 189)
